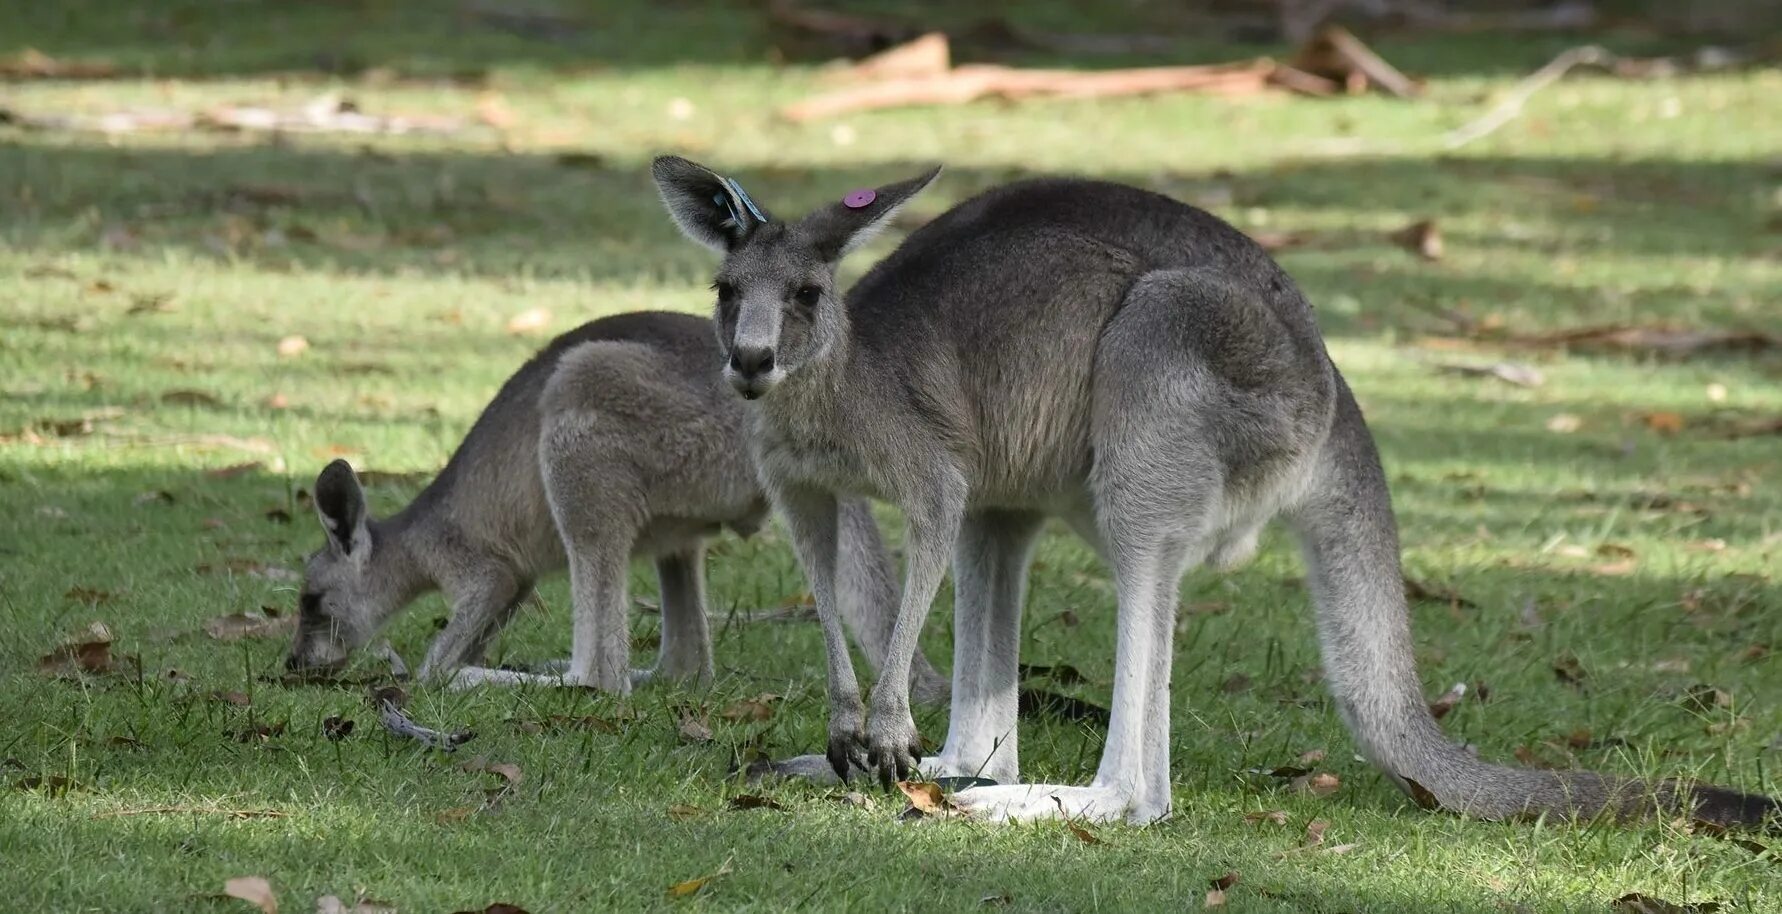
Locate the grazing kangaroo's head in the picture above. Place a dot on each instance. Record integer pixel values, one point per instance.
(778, 307)
(346, 596)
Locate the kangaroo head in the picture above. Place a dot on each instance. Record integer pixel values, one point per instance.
(778, 308)
(347, 593)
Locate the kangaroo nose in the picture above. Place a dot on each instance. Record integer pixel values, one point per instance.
(751, 361)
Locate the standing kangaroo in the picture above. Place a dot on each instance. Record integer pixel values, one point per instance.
(1123, 361)
(616, 440)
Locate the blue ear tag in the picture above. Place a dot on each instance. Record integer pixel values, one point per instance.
(725, 200)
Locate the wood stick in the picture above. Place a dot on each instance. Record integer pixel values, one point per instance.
(1511, 107)
(970, 83)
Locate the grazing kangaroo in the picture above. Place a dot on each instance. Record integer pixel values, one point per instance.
(1123, 361)
(620, 437)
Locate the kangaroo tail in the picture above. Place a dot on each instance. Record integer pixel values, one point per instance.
(868, 592)
(1350, 543)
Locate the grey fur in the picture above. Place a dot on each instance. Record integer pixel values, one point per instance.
(616, 441)
(1142, 370)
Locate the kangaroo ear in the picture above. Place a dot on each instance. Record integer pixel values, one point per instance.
(709, 208)
(843, 227)
(340, 503)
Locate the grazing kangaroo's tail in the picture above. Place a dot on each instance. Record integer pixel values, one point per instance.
(868, 593)
(1350, 544)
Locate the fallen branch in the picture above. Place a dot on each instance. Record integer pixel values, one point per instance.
(1339, 56)
(402, 725)
(1511, 106)
(192, 810)
(974, 82)
(326, 114)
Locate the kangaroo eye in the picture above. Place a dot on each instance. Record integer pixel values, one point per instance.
(309, 606)
(725, 291)
(807, 296)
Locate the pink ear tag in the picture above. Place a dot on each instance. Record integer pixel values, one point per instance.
(860, 198)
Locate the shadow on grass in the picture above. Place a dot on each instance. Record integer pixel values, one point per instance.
(300, 210)
(468, 40)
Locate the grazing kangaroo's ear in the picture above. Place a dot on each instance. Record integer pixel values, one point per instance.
(340, 503)
(842, 227)
(710, 208)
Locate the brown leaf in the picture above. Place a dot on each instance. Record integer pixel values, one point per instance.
(508, 771)
(331, 904)
(1431, 593)
(499, 907)
(694, 729)
(91, 596)
(1215, 898)
(1082, 834)
(1617, 568)
(1615, 551)
(754, 709)
(1421, 238)
(1276, 816)
(1226, 881)
(53, 784)
(257, 733)
(1564, 423)
(237, 699)
(925, 797)
(292, 346)
(1670, 341)
(1321, 784)
(681, 812)
(336, 728)
(1664, 423)
(531, 320)
(1635, 903)
(693, 886)
(87, 652)
(254, 890)
(455, 814)
(745, 801)
(1447, 701)
(1569, 670)
(254, 624)
(1704, 698)
(190, 398)
(1422, 796)
(1315, 830)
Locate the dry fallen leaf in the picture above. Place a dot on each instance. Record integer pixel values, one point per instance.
(1635, 903)
(753, 801)
(508, 771)
(254, 890)
(1569, 670)
(1276, 816)
(336, 728)
(292, 346)
(1564, 423)
(331, 904)
(89, 651)
(925, 797)
(1421, 238)
(693, 886)
(1315, 830)
(499, 907)
(531, 320)
(255, 624)
(756, 709)
(1320, 784)
(190, 398)
(1446, 702)
(681, 812)
(1664, 423)
(1082, 834)
(694, 729)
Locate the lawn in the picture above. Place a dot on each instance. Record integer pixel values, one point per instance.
(1599, 556)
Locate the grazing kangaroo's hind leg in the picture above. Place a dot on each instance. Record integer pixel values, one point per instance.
(1159, 492)
(686, 653)
(989, 583)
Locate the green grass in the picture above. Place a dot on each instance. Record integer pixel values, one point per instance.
(400, 260)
